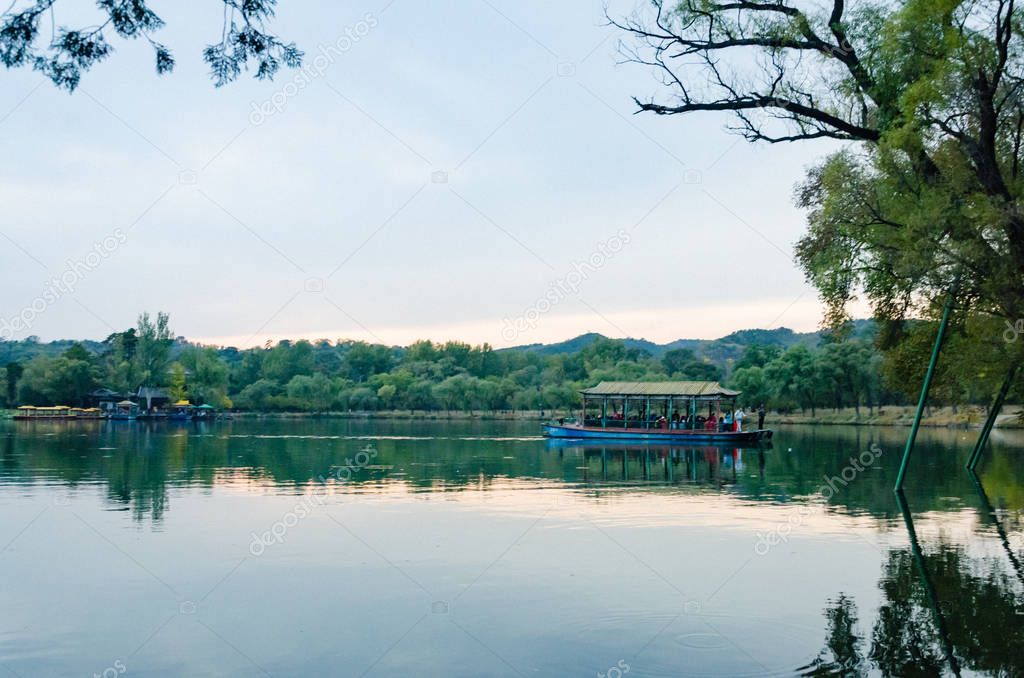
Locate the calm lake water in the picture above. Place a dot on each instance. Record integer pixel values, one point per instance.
(254, 548)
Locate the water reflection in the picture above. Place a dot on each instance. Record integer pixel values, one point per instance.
(662, 464)
(136, 463)
(945, 610)
(943, 594)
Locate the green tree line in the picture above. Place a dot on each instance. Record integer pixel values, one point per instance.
(322, 376)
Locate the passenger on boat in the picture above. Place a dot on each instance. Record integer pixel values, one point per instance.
(760, 416)
(738, 418)
(711, 424)
(727, 422)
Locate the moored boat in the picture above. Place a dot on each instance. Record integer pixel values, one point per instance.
(125, 410)
(204, 412)
(49, 413)
(181, 411)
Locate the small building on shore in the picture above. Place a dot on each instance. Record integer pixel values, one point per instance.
(150, 397)
(105, 399)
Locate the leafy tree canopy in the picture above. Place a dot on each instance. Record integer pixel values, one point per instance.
(925, 200)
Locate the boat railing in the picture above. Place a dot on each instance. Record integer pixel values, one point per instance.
(615, 423)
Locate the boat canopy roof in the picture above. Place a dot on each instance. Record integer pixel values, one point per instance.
(661, 389)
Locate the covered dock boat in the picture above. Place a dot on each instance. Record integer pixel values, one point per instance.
(204, 412)
(54, 412)
(667, 411)
(125, 410)
(182, 410)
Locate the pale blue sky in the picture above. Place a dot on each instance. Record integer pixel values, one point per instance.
(329, 218)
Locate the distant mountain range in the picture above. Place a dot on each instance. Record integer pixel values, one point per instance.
(719, 351)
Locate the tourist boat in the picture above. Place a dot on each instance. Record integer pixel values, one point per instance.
(34, 413)
(125, 410)
(204, 412)
(181, 411)
(665, 411)
(57, 412)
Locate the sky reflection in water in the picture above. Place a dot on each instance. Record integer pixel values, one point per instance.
(426, 548)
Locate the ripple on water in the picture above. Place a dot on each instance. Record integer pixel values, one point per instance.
(302, 436)
(689, 642)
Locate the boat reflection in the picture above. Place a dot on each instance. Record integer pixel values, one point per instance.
(662, 464)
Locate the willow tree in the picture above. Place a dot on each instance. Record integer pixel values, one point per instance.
(33, 34)
(923, 199)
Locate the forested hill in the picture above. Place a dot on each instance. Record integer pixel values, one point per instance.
(26, 349)
(718, 351)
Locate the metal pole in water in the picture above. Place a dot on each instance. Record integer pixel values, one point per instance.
(929, 587)
(986, 430)
(924, 392)
(991, 514)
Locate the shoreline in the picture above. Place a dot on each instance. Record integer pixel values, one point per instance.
(963, 417)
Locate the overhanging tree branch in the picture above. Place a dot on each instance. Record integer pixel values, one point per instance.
(838, 128)
(70, 51)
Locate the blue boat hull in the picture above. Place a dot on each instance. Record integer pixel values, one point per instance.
(657, 435)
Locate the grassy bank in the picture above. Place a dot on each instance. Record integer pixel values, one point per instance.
(970, 416)
(500, 415)
(1012, 416)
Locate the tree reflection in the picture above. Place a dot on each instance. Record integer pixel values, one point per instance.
(943, 609)
(843, 652)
